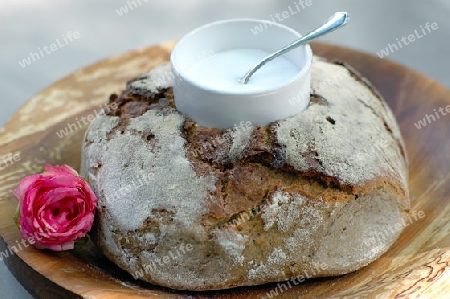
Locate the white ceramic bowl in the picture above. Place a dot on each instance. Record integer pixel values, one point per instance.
(219, 108)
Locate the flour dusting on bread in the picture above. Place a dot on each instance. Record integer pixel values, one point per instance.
(255, 204)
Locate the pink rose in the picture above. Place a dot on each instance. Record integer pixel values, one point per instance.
(56, 208)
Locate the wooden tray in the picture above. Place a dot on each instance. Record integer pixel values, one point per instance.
(416, 266)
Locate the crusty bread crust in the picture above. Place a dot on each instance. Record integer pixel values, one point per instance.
(319, 194)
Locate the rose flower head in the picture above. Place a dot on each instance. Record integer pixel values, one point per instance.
(56, 208)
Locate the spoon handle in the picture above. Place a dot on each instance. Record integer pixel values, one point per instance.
(336, 21)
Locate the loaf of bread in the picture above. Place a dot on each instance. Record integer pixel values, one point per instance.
(187, 207)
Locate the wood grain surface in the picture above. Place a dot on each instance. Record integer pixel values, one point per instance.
(416, 266)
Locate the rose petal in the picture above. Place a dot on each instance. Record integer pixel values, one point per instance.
(58, 201)
(62, 247)
(23, 186)
(60, 170)
(83, 225)
(59, 181)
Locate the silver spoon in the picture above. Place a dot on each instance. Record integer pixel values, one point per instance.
(336, 21)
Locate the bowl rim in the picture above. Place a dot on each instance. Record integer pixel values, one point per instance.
(180, 75)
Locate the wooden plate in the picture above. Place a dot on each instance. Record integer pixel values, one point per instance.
(417, 265)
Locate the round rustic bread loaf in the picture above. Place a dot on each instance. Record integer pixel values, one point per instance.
(319, 194)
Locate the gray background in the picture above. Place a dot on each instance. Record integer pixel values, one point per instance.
(26, 25)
